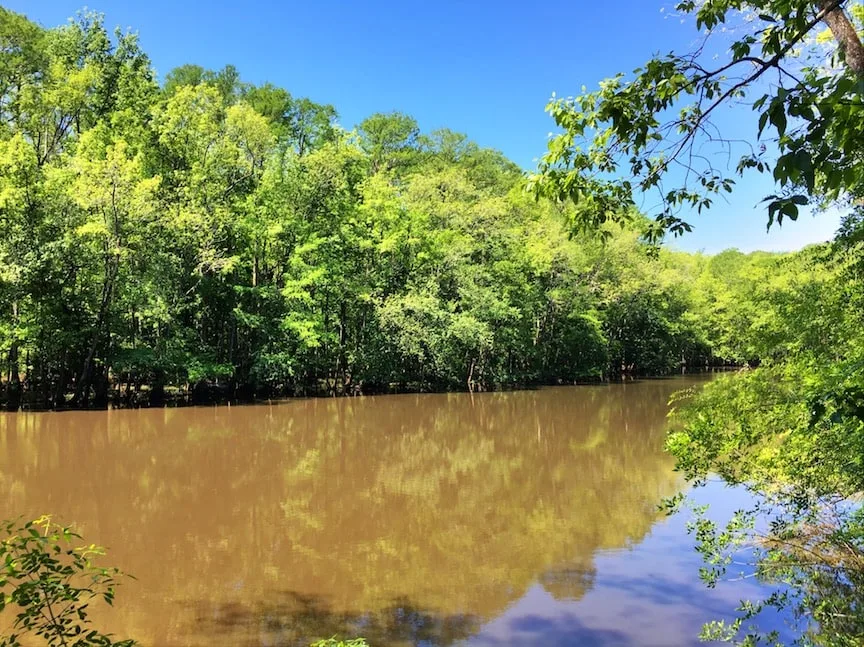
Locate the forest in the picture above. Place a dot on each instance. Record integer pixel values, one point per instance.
(210, 239)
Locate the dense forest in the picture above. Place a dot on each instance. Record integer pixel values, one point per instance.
(225, 240)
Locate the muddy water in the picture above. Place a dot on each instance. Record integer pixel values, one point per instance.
(490, 519)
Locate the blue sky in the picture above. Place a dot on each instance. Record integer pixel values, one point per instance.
(479, 67)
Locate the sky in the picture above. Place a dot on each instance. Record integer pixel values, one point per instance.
(479, 67)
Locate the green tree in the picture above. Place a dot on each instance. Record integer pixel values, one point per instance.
(387, 138)
(627, 127)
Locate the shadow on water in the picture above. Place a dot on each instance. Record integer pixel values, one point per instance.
(292, 619)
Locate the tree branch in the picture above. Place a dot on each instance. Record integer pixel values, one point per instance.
(828, 6)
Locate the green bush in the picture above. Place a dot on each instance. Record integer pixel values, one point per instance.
(48, 578)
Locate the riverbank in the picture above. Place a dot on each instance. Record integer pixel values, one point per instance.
(126, 395)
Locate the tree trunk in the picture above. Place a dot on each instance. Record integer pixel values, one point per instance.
(59, 397)
(13, 389)
(44, 381)
(82, 386)
(100, 388)
(844, 33)
(342, 359)
(157, 389)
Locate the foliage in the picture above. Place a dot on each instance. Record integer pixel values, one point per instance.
(333, 642)
(656, 129)
(48, 580)
(227, 240)
(791, 429)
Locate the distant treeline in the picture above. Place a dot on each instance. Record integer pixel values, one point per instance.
(213, 238)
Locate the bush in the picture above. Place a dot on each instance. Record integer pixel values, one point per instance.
(48, 578)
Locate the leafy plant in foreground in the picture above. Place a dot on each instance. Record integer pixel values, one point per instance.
(48, 579)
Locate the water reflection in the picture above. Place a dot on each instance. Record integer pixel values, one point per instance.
(407, 519)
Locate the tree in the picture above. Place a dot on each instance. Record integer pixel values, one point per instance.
(226, 80)
(787, 429)
(312, 125)
(790, 432)
(387, 137)
(811, 105)
(117, 201)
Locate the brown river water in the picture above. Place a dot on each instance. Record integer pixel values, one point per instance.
(521, 518)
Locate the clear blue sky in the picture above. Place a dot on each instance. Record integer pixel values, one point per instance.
(476, 66)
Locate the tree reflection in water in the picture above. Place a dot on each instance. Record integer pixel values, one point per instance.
(406, 519)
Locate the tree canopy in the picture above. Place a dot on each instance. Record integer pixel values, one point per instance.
(212, 238)
(657, 127)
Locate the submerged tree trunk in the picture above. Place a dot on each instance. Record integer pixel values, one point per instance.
(13, 387)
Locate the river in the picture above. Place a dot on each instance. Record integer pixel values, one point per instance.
(519, 518)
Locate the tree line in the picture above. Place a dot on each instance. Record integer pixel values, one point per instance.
(220, 239)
